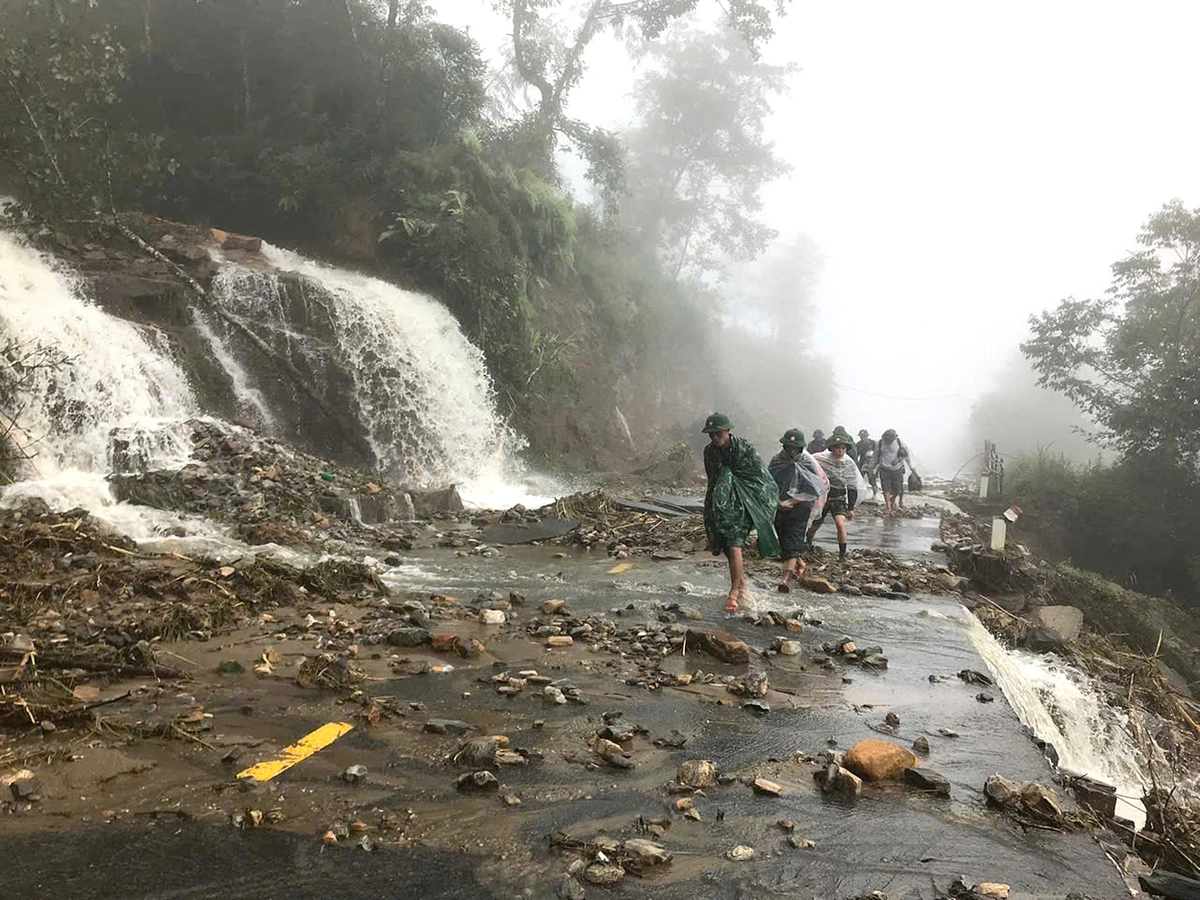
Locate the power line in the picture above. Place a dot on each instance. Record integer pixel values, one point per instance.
(847, 387)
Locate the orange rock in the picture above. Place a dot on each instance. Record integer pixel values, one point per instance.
(444, 643)
(817, 585)
(874, 760)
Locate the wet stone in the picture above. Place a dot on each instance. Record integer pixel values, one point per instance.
(927, 781)
(697, 773)
(409, 637)
(603, 873)
(478, 781)
(446, 726)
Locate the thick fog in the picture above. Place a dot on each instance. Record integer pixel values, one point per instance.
(959, 166)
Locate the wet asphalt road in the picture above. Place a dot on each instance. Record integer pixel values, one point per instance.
(891, 840)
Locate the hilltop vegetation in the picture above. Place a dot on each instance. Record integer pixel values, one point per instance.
(371, 134)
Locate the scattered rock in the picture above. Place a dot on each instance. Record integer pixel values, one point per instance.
(970, 676)
(846, 782)
(921, 745)
(741, 853)
(1054, 627)
(874, 760)
(892, 720)
(409, 637)
(992, 889)
(719, 644)
(800, 843)
(493, 617)
(697, 773)
(770, 788)
(817, 585)
(559, 640)
(789, 648)
(928, 781)
(647, 853)
(354, 774)
(1170, 885)
(603, 873)
(26, 790)
(478, 781)
(445, 726)
(477, 752)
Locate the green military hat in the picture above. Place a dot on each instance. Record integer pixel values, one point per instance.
(793, 437)
(717, 422)
(840, 437)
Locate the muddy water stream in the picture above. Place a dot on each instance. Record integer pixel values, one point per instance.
(890, 839)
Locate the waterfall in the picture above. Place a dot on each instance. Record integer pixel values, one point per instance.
(419, 388)
(1059, 704)
(117, 401)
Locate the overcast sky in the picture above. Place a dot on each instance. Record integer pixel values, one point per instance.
(961, 165)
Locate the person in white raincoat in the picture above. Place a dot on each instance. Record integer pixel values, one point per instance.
(846, 484)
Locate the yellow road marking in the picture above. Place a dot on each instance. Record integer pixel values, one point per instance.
(298, 752)
(620, 567)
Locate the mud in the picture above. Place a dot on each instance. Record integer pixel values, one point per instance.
(135, 764)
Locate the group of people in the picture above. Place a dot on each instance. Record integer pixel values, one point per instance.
(788, 500)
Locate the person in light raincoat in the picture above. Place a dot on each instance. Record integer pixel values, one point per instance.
(892, 457)
(801, 483)
(846, 483)
(741, 497)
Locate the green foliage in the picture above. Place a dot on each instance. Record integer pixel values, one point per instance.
(486, 236)
(1132, 361)
(699, 156)
(1134, 521)
(62, 131)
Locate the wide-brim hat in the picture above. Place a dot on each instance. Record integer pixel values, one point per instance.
(717, 422)
(840, 437)
(793, 437)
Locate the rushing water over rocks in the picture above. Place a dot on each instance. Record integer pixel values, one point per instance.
(1060, 705)
(397, 358)
(117, 400)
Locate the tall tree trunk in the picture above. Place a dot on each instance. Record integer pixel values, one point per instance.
(247, 99)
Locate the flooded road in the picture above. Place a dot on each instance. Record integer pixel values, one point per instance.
(448, 844)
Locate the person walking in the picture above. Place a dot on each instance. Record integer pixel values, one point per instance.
(741, 497)
(852, 450)
(817, 444)
(892, 455)
(800, 483)
(845, 483)
(867, 449)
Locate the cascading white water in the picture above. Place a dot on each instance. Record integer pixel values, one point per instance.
(1059, 704)
(249, 397)
(117, 394)
(117, 401)
(422, 388)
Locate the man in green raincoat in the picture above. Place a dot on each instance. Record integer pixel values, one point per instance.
(742, 497)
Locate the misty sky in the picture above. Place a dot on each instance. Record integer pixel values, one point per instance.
(961, 165)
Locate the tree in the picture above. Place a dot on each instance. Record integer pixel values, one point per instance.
(62, 132)
(548, 55)
(699, 156)
(1131, 361)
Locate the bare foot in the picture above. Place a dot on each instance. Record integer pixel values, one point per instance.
(731, 605)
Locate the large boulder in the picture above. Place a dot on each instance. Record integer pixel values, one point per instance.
(874, 760)
(720, 644)
(1054, 627)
